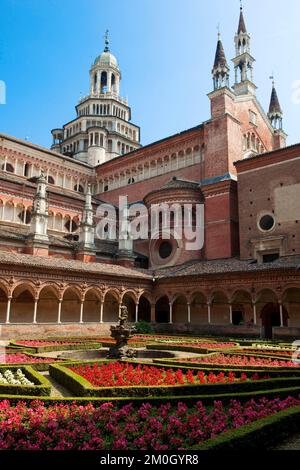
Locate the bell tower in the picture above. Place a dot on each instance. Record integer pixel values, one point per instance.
(243, 60)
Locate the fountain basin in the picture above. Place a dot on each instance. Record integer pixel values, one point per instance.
(94, 354)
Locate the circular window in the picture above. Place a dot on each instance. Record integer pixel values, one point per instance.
(266, 223)
(165, 250)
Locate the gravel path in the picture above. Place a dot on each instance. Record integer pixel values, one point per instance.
(57, 390)
(292, 443)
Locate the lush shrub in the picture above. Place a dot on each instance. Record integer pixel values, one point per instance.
(144, 327)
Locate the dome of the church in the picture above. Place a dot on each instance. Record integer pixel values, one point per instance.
(106, 58)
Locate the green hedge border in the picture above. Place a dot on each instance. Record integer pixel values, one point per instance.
(82, 387)
(42, 386)
(259, 435)
(207, 400)
(280, 371)
(79, 346)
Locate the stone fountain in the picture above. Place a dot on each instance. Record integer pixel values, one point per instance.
(121, 334)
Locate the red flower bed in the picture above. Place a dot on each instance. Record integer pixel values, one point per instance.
(268, 352)
(237, 360)
(206, 345)
(38, 343)
(118, 374)
(16, 358)
(34, 426)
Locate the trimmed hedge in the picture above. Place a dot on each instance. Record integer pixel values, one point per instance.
(200, 365)
(207, 400)
(276, 371)
(259, 435)
(192, 349)
(82, 387)
(67, 347)
(41, 385)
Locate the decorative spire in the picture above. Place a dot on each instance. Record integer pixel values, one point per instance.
(220, 58)
(86, 228)
(275, 112)
(87, 215)
(220, 71)
(242, 25)
(106, 41)
(274, 102)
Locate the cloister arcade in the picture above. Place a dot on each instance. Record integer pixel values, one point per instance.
(25, 303)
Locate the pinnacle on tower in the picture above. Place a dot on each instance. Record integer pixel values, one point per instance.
(243, 60)
(220, 71)
(242, 25)
(106, 41)
(275, 112)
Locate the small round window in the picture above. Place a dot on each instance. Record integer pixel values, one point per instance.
(165, 250)
(266, 222)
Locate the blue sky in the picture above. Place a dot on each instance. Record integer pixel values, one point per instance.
(165, 49)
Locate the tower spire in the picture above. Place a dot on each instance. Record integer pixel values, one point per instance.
(242, 24)
(243, 61)
(275, 112)
(220, 71)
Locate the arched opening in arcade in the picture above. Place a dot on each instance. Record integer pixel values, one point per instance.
(242, 308)
(47, 307)
(22, 305)
(111, 307)
(144, 309)
(220, 314)
(269, 308)
(70, 307)
(199, 308)
(129, 302)
(162, 310)
(291, 302)
(91, 307)
(180, 310)
(3, 305)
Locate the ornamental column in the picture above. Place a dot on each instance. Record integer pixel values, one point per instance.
(281, 314)
(59, 311)
(136, 312)
(171, 312)
(81, 311)
(189, 312)
(35, 309)
(254, 313)
(209, 312)
(8, 309)
(230, 314)
(101, 311)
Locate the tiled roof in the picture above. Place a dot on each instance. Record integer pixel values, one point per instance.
(51, 263)
(179, 184)
(232, 265)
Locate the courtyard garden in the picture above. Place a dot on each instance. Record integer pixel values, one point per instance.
(201, 393)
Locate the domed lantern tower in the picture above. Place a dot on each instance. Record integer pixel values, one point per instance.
(102, 129)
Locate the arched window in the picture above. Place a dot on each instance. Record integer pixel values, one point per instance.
(78, 188)
(8, 167)
(51, 180)
(103, 82)
(26, 169)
